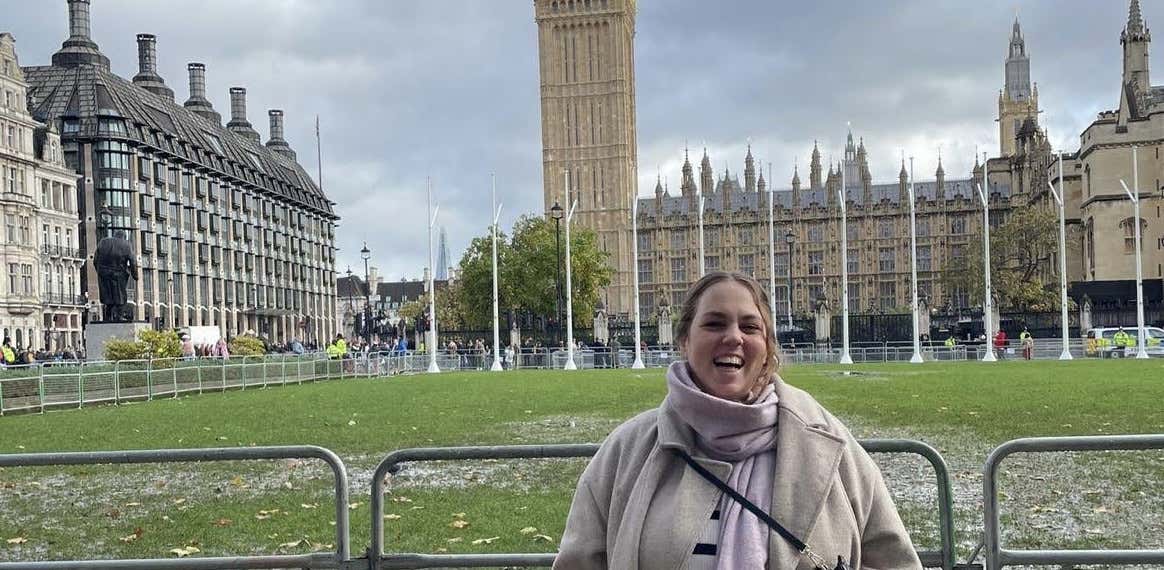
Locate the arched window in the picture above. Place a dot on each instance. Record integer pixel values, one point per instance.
(1090, 238)
(19, 338)
(1129, 229)
(555, 6)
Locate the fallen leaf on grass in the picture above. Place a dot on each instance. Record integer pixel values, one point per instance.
(137, 532)
(309, 505)
(454, 539)
(528, 530)
(392, 517)
(223, 522)
(351, 422)
(354, 506)
(184, 552)
(17, 540)
(133, 504)
(489, 540)
(238, 482)
(179, 501)
(295, 544)
(459, 523)
(401, 499)
(542, 537)
(458, 515)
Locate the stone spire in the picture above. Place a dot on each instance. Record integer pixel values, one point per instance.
(814, 168)
(687, 186)
(659, 192)
(79, 49)
(761, 185)
(1135, 39)
(1018, 66)
(198, 103)
(147, 63)
(795, 177)
(903, 182)
(749, 171)
(706, 175)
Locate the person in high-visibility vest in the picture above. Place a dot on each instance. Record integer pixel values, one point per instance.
(950, 342)
(8, 353)
(1027, 342)
(1122, 340)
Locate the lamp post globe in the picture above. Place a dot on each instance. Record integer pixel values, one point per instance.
(557, 213)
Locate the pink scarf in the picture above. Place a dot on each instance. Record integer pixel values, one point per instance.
(745, 436)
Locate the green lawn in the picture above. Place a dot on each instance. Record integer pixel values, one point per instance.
(963, 409)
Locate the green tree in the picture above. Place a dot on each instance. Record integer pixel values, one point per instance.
(1021, 250)
(528, 261)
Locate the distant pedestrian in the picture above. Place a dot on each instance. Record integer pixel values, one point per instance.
(187, 348)
(1028, 343)
(1000, 343)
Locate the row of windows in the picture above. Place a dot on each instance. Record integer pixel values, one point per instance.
(20, 279)
(815, 232)
(12, 136)
(886, 263)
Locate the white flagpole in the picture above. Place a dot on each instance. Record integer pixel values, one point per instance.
(432, 331)
(1141, 349)
(771, 248)
(917, 356)
(843, 195)
(702, 269)
(988, 302)
(638, 363)
(570, 365)
(1059, 198)
(496, 367)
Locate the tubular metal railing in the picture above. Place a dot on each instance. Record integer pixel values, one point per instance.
(997, 556)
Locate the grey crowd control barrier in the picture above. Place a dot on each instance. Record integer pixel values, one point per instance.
(317, 560)
(999, 557)
(942, 558)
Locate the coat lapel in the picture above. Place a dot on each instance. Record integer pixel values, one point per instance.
(807, 458)
(695, 499)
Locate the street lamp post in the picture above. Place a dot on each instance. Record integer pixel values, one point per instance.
(917, 356)
(790, 239)
(351, 304)
(496, 367)
(556, 213)
(433, 368)
(988, 297)
(1141, 350)
(570, 364)
(366, 254)
(846, 358)
(638, 363)
(1059, 197)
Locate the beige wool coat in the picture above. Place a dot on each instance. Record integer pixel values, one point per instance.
(638, 506)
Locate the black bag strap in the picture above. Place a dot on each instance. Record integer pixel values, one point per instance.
(743, 501)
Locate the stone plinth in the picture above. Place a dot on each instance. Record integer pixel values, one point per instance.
(97, 335)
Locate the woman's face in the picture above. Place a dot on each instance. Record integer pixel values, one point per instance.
(725, 346)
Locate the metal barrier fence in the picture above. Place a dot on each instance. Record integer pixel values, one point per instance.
(998, 557)
(76, 383)
(315, 560)
(941, 558)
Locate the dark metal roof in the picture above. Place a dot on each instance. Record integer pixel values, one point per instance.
(86, 92)
(353, 286)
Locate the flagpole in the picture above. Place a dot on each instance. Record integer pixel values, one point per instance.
(988, 303)
(1066, 354)
(702, 269)
(570, 365)
(771, 247)
(496, 367)
(432, 330)
(917, 356)
(1141, 349)
(638, 363)
(846, 358)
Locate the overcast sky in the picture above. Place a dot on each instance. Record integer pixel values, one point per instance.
(449, 88)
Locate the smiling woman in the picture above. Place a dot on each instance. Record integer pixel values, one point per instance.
(670, 487)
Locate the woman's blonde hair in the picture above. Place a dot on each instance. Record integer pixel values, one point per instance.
(695, 293)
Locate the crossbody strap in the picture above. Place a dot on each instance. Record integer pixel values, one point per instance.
(743, 501)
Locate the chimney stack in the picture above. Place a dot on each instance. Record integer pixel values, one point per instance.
(147, 61)
(276, 141)
(79, 49)
(197, 103)
(238, 115)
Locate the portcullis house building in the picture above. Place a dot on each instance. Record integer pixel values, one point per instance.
(229, 232)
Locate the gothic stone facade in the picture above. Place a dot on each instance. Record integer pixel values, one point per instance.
(736, 234)
(586, 56)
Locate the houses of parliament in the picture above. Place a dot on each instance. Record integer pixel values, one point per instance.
(588, 129)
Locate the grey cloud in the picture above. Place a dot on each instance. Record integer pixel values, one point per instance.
(449, 88)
